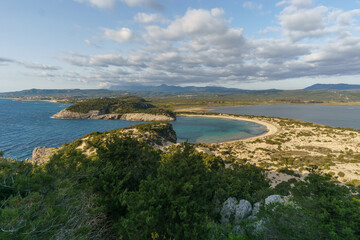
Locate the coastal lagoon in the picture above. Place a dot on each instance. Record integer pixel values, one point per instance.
(335, 116)
(28, 124)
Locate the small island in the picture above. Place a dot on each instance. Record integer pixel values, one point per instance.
(126, 107)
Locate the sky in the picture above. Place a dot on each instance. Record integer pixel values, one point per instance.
(87, 44)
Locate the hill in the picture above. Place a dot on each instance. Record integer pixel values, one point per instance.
(128, 107)
(170, 97)
(339, 86)
(188, 89)
(154, 134)
(116, 185)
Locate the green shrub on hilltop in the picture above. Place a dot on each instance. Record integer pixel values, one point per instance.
(128, 104)
(111, 105)
(174, 204)
(122, 165)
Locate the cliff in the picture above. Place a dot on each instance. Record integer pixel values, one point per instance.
(147, 117)
(95, 114)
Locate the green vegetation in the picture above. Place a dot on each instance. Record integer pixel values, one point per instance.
(111, 105)
(127, 104)
(130, 190)
(319, 210)
(149, 133)
(171, 100)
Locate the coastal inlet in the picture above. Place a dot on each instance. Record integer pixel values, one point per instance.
(28, 124)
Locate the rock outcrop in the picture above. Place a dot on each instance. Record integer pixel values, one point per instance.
(66, 114)
(146, 117)
(274, 199)
(228, 210)
(242, 210)
(241, 215)
(232, 210)
(109, 116)
(41, 155)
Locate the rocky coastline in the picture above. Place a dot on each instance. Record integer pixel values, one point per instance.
(146, 117)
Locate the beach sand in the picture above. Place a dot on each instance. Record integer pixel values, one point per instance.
(294, 145)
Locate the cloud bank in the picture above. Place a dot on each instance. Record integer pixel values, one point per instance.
(201, 47)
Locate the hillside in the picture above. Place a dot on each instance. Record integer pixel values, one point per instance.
(117, 185)
(164, 88)
(170, 97)
(154, 134)
(339, 87)
(128, 107)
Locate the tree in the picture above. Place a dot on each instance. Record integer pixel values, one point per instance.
(122, 164)
(176, 203)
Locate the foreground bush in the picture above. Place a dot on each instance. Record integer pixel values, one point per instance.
(133, 191)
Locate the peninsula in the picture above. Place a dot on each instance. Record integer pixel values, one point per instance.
(128, 108)
(123, 183)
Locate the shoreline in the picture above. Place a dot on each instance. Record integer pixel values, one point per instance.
(33, 100)
(271, 128)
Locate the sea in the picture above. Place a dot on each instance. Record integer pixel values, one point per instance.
(345, 116)
(25, 125)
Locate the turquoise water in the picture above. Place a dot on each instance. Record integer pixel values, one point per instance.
(26, 125)
(334, 116)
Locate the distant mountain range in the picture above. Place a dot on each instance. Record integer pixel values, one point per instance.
(189, 89)
(56, 92)
(162, 89)
(339, 86)
(213, 89)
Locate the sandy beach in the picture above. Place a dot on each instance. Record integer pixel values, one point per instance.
(271, 128)
(294, 145)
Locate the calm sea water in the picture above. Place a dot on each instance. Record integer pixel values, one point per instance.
(335, 116)
(26, 125)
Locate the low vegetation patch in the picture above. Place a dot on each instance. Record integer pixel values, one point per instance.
(127, 104)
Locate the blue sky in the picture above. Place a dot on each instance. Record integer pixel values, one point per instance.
(284, 44)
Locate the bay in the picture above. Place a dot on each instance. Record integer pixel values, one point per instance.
(346, 116)
(25, 125)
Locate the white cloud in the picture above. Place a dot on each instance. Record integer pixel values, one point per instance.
(252, 5)
(311, 22)
(296, 3)
(105, 4)
(347, 18)
(195, 22)
(147, 3)
(36, 65)
(31, 65)
(45, 74)
(279, 50)
(120, 35)
(202, 47)
(150, 18)
(304, 20)
(102, 60)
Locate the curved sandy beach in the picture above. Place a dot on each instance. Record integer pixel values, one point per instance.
(271, 128)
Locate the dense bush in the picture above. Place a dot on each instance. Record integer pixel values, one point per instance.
(133, 191)
(318, 209)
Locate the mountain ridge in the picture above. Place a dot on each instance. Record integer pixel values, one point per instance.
(337, 86)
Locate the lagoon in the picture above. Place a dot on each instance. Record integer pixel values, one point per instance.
(25, 125)
(335, 116)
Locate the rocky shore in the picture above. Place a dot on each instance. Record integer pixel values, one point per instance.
(146, 117)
